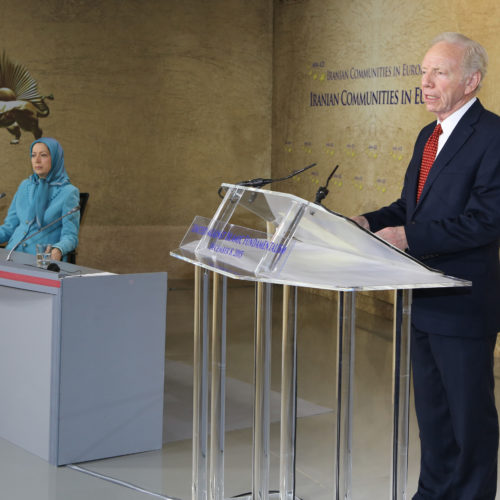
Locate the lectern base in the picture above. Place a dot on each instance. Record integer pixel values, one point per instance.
(273, 495)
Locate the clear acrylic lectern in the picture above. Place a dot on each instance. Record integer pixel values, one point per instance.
(304, 245)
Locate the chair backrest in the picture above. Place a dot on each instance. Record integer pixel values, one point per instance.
(84, 197)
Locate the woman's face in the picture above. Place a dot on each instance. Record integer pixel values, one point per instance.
(41, 160)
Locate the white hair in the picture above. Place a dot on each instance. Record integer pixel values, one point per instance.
(475, 56)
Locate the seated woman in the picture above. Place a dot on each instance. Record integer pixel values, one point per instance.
(40, 199)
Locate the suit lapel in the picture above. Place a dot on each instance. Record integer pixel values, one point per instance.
(457, 139)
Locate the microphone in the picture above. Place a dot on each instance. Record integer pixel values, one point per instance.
(259, 181)
(2, 195)
(72, 211)
(323, 191)
(53, 267)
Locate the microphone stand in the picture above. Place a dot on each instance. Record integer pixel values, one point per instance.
(72, 211)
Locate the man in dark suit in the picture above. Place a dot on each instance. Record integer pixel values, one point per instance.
(448, 217)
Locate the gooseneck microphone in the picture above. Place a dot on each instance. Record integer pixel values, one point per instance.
(322, 192)
(72, 211)
(259, 181)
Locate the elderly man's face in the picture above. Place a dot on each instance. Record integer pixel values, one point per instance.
(444, 87)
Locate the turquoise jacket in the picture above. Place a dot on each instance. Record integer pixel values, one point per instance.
(18, 226)
(40, 201)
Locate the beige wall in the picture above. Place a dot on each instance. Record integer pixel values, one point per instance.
(156, 103)
(372, 144)
(317, 39)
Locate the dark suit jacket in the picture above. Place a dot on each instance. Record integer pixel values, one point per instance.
(455, 227)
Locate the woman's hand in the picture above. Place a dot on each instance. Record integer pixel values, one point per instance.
(55, 254)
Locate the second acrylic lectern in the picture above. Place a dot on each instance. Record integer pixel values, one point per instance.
(297, 244)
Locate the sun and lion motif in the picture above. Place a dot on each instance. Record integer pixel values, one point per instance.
(21, 105)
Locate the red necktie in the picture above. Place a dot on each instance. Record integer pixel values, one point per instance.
(428, 158)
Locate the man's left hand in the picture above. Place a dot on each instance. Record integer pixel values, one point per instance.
(395, 236)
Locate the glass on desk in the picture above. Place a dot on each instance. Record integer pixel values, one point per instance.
(43, 251)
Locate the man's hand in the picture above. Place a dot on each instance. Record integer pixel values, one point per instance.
(362, 221)
(395, 236)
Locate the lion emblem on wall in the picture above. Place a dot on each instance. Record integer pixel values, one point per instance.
(21, 105)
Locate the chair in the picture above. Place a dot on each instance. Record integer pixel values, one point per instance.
(84, 197)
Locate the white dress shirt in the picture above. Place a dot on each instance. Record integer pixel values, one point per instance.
(448, 124)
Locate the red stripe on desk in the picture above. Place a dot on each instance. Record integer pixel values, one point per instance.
(25, 278)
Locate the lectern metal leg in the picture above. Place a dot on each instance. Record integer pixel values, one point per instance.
(288, 394)
(345, 379)
(401, 392)
(218, 387)
(200, 385)
(262, 375)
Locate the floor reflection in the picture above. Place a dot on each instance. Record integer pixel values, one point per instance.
(167, 472)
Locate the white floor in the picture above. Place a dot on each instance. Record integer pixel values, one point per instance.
(167, 473)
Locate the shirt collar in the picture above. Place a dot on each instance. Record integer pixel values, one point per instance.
(449, 123)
